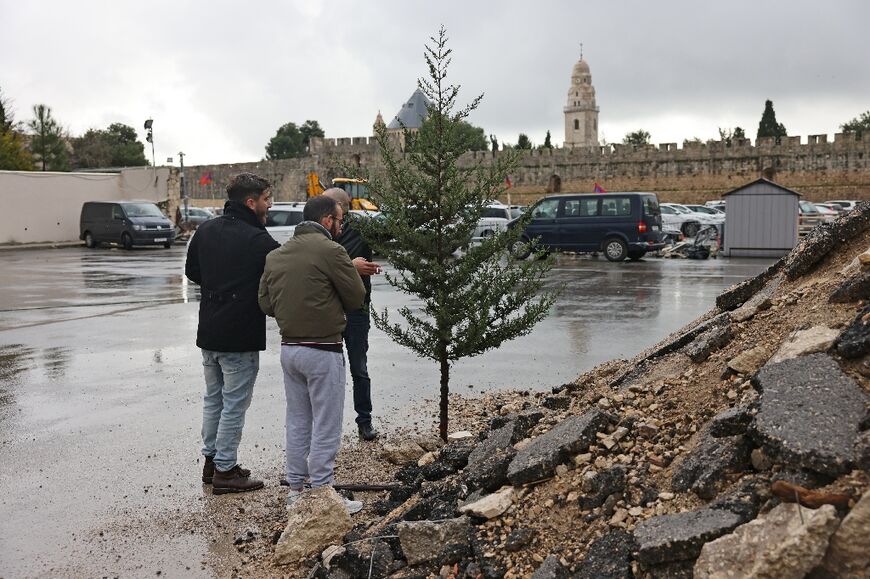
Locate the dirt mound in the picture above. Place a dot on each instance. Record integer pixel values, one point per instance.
(637, 465)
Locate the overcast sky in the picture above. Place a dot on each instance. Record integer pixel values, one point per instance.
(220, 77)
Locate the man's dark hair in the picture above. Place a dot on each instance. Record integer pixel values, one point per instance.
(319, 207)
(246, 186)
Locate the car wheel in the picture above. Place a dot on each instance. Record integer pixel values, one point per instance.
(127, 241)
(90, 242)
(615, 249)
(636, 255)
(690, 229)
(521, 249)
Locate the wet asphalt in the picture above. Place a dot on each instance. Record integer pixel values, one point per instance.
(100, 385)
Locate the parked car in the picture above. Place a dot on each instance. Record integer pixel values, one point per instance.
(808, 217)
(694, 220)
(673, 219)
(846, 205)
(720, 205)
(828, 214)
(126, 223)
(196, 216)
(495, 218)
(619, 224)
(282, 219)
(708, 210)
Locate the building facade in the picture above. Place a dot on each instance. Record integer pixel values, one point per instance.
(581, 112)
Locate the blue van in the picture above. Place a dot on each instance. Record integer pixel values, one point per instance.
(127, 223)
(618, 224)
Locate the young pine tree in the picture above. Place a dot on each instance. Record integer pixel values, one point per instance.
(470, 301)
(768, 127)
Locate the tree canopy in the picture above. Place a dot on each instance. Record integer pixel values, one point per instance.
(547, 142)
(291, 141)
(14, 155)
(768, 126)
(471, 300)
(637, 138)
(116, 146)
(857, 125)
(523, 142)
(48, 140)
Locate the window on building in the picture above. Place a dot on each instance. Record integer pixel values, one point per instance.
(576, 124)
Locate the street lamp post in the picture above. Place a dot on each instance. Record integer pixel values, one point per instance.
(149, 136)
(183, 191)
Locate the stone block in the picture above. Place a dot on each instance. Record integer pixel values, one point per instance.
(425, 541)
(854, 342)
(681, 536)
(708, 462)
(608, 557)
(318, 519)
(490, 506)
(750, 361)
(784, 544)
(809, 414)
(713, 339)
(803, 342)
(551, 568)
(848, 554)
(730, 422)
(539, 459)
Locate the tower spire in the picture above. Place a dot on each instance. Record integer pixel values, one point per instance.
(581, 51)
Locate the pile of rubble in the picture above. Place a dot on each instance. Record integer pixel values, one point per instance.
(738, 447)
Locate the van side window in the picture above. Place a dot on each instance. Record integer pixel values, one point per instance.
(580, 208)
(117, 213)
(546, 209)
(616, 206)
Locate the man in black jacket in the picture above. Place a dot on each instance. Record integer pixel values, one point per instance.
(226, 258)
(356, 333)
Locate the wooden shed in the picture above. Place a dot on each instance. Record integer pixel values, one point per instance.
(762, 220)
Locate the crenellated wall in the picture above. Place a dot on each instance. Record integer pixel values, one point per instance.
(815, 167)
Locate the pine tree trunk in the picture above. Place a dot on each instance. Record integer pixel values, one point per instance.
(445, 389)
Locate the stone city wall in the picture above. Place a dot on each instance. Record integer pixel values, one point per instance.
(819, 169)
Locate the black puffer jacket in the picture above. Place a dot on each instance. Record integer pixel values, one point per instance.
(226, 258)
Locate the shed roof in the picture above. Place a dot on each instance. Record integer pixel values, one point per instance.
(765, 181)
(413, 112)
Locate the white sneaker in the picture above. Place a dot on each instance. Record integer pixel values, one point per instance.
(294, 495)
(352, 507)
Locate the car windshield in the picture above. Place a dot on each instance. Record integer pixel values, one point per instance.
(702, 209)
(808, 207)
(142, 210)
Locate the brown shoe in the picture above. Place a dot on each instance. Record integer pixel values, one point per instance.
(208, 470)
(233, 481)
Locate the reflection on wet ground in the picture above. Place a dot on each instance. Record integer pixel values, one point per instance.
(100, 380)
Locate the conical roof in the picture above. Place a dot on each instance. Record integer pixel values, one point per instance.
(413, 112)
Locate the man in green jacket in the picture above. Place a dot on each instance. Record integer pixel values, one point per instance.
(308, 285)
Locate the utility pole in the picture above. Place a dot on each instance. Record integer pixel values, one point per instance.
(149, 136)
(183, 192)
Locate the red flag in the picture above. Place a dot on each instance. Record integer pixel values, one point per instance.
(507, 181)
(206, 179)
(598, 189)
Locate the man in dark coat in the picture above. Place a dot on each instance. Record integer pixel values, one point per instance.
(356, 334)
(226, 258)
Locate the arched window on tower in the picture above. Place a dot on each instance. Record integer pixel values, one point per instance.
(576, 124)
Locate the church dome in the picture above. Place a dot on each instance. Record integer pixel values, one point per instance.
(581, 68)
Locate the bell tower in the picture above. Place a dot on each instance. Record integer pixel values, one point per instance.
(581, 113)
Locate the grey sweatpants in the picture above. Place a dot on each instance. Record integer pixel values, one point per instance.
(314, 388)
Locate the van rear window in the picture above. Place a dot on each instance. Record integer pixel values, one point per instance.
(651, 205)
(616, 206)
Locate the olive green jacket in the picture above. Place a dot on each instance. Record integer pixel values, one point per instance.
(308, 284)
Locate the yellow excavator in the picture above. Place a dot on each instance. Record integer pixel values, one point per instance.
(357, 189)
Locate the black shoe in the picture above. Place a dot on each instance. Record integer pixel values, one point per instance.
(233, 481)
(208, 470)
(367, 431)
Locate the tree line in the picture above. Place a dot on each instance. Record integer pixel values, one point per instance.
(42, 143)
(768, 126)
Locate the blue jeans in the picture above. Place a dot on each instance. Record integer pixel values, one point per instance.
(229, 387)
(356, 340)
